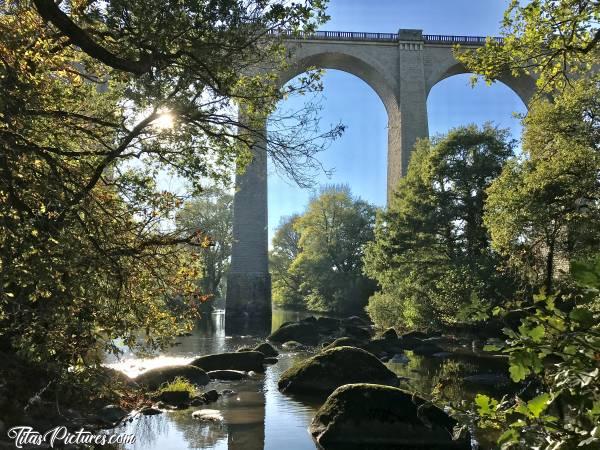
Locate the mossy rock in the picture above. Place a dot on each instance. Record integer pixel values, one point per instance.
(231, 361)
(346, 341)
(389, 334)
(175, 398)
(357, 332)
(154, 378)
(391, 346)
(328, 324)
(356, 321)
(358, 416)
(266, 349)
(332, 368)
(427, 349)
(304, 332)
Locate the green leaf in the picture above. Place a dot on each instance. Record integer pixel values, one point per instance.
(510, 435)
(518, 372)
(582, 315)
(587, 273)
(539, 404)
(485, 405)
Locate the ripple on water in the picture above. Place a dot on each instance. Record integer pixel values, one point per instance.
(258, 416)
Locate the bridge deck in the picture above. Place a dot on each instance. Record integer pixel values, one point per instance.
(385, 37)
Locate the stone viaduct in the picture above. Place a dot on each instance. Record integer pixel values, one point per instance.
(401, 68)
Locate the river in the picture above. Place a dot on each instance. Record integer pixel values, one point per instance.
(258, 416)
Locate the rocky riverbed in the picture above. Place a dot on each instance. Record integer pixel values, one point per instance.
(303, 386)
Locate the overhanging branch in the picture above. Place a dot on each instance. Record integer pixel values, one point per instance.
(50, 12)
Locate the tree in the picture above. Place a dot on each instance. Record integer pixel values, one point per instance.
(432, 255)
(555, 41)
(544, 210)
(211, 213)
(286, 248)
(99, 98)
(556, 349)
(328, 268)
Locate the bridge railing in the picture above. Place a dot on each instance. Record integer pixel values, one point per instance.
(469, 40)
(389, 37)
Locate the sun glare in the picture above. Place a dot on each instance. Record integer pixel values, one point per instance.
(164, 121)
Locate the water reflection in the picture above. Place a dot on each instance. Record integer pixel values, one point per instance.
(259, 416)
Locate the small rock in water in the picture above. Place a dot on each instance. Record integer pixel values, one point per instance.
(208, 415)
(197, 401)
(112, 413)
(175, 398)
(228, 375)
(390, 334)
(266, 349)
(292, 345)
(228, 392)
(148, 411)
(210, 396)
(399, 358)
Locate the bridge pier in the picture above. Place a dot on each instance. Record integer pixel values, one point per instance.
(248, 297)
(401, 68)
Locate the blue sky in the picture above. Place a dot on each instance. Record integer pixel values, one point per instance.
(359, 156)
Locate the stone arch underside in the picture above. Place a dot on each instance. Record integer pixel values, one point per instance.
(375, 75)
(523, 86)
(349, 64)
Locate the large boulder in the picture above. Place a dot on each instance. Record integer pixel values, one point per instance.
(356, 321)
(346, 342)
(332, 368)
(306, 333)
(266, 349)
(328, 324)
(391, 346)
(175, 398)
(389, 334)
(231, 361)
(153, 378)
(227, 375)
(427, 349)
(357, 332)
(358, 416)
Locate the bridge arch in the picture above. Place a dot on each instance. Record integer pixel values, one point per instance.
(401, 68)
(348, 63)
(444, 65)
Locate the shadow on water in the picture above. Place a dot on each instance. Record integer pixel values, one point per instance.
(258, 416)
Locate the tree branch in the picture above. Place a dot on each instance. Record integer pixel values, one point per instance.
(50, 12)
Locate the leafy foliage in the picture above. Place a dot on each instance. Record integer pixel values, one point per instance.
(99, 99)
(323, 250)
(211, 212)
(432, 254)
(557, 349)
(544, 209)
(555, 41)
(286, 248)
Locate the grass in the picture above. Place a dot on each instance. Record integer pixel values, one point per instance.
(178, 384)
